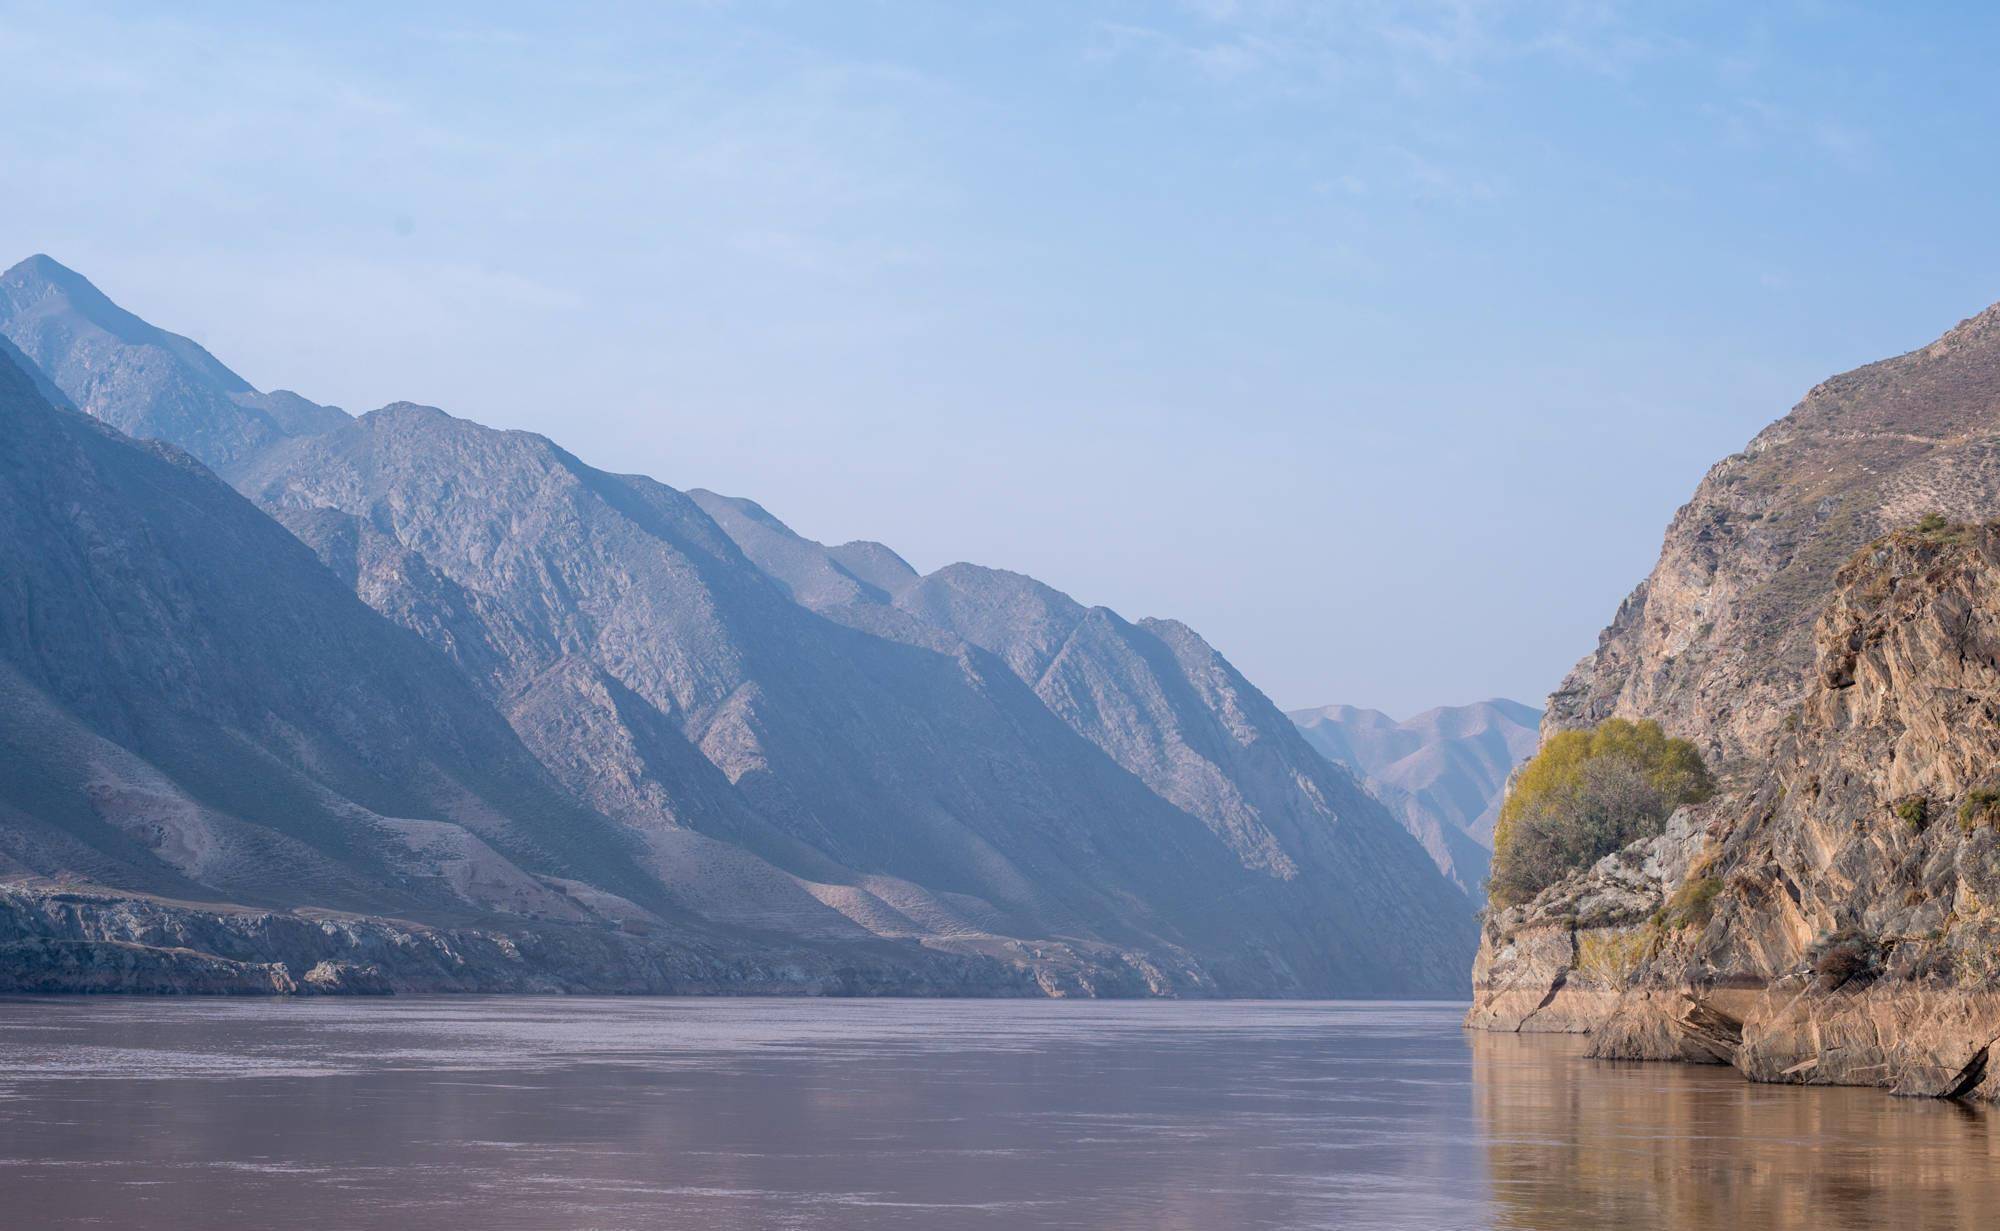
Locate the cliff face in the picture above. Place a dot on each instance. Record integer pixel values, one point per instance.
(1828, 917)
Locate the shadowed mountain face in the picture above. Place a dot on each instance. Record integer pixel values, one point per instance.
(827, 747)
(1442, 772)
(1167, 707)
(224, 773)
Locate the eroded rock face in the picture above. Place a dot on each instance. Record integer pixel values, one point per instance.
(1834, 919)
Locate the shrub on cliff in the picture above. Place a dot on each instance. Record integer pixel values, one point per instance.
(1585, 795)
(1980, 807)
(1843, 957)
(1692, 905)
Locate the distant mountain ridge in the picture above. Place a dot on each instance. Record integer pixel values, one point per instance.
(788, 744)
(1443, 772)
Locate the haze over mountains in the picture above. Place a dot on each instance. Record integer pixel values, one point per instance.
(628, 722)
(1442, 772)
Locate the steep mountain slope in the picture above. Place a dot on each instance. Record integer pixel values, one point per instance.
(222, 771)
(1442, 772)
(144, 381)
(869, 766)
(195, 708)
(1829, 916)
(1156, 699)
(43, 387)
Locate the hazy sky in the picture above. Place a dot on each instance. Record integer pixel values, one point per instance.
(1377, 341)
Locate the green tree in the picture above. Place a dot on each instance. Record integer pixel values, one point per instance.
(1585, 795)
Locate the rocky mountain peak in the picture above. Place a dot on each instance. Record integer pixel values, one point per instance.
(43, 294)
(1975, 332)
(143, 380)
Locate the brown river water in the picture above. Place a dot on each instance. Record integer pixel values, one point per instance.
(503, 1113)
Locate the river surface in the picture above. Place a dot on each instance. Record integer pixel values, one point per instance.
(502, 1113)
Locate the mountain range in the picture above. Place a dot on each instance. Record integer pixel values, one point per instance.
(402, 700)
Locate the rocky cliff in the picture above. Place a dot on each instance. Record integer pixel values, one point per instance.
(1829, 916)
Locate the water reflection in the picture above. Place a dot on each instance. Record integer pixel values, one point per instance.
(1581, 1143)
(505, 1114)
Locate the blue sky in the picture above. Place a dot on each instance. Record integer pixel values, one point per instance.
(1377, 341)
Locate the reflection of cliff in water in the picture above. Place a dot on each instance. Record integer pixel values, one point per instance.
(1576, 1143)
